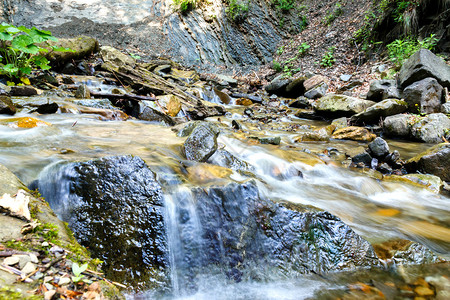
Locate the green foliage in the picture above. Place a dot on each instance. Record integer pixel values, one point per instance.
(185, 5)
(280, 50)
(276, 66)
(328, 58)
(303, 23)
(399, 8)
(21, 51)
(283, 5)
(237, 10)
(303, 49)
(401, 49)
(334, 14)
(77, 270)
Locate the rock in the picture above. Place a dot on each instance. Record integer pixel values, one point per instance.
(314, 81)
(397, 125)
(64, 281)
(379, 148)
(228, 79)
(380, 110)
(171, 104)
(144, 111)
(424, 64)
(33, 258)
(115, 57)
(115, 208)
(6, 105)
(16, 205)
(24, 90)
(295, 88)
(224, 98)
(244, 102)
(363, 158)
(433, 161)
(317, 92)
(82, 46)
(340, 105)
(424, 96)
(353, 133)
(445, 108)
(48, 108)
(431, 129)
(314, 136)
(24, 122)
(83, 92)
(384, 168)
(273, 140)
(383, 89)
(346, 88)
(345, 77)
(201, 142)
(95, 103)
(431, 182)
(277, 86)
(340, 123)
(225, 159)
(29, 268)
(10, 261)
(301, 102)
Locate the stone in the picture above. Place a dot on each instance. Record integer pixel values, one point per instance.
(273, 140)
(340, 123)
(144, 110)
(295, 88)
(24, 90)
(380, 110)
(354, 133)
(431, 182)
(228, 79)
(171, 104)
(33, 258)
(48, 108)
(431, 128)
(11, 261)
(434, 161)
(64, 281)
(383, 89)
(347, 88)
(115, 57)
(201, 142)
(445, 108)
(6, 105)
(314, 136)
(83, 92)
(379, 148)
(363, 158)
(28, 268)
(24, 122)
(82, 46)
(424, 96)
(314, 81)
(421, 65)
(225, 159)
(397, 125)
(224, 98)
(345, 77)
(340, 105)
(301, 102)
(385, 168)
(23, 260)
(277, 86)
(317, 92)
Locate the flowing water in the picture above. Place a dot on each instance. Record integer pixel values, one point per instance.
(378, 210)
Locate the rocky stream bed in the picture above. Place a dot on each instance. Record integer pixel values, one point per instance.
(184, 185)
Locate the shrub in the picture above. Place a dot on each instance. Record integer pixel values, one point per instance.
(303, 49)
(237, 10)
(185, 5)
(276, 66)
(336, 12)
(401, 49)
(328, 58)
(22, 50)
(284, 5)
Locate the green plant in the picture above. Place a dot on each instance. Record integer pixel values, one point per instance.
(335, 13)
(22, 50)
(303, 49)
(237, 10)
(401, 49)
(77, 270)
(280, 50)
(303, 23)
(276, 66)
(283, 5)
(185, 5)
(328, 58)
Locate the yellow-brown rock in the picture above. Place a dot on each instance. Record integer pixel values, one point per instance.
(354, 133)
(24, 122)
(244, 102)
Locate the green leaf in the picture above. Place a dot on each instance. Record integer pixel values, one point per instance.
(41, 62)
(77, 269)
(25, 70)
(40, 36)
(5, 36)
(25, 44)
(10, 68)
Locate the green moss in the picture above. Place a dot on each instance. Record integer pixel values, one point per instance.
(17, 245)
(7, 293)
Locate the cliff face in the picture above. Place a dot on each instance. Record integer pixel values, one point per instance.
(205, 36)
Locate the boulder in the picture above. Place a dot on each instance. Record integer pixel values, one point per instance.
(314, 81)
(114, 206)
(445, 108)
(340, 123)
(380, 110)
(115, 57)
(340, 105)
(23, 90)
(433, 161)
(144, 110)
(277, 86)
(225, 159)
(431, 129)
(201, 142)
(354, 133)
(317, 92)
(300, 102)
(397, 125)
(424, 96)
(383, 89)
(295, 88)
(6, 105)
(83, 92)
(379, 147)
(82, 46)
(421, 65)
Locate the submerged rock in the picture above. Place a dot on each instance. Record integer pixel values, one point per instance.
(201, 142)
(6, 105)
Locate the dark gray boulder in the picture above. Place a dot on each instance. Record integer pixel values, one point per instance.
(424, 96)
(115, 208)
(144, 111)
(375, 113)
(383, 89)
(434, 161)
(6, 105)
(277, 86)
(431, 128)
(421, 65)
(379, 147)
(225, 159)
(317, 91)
(201, 142)
(397, 125)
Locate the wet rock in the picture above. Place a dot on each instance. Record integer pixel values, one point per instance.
(340, 123)
(83, 92)
(273, 140)
(431, 129)
(384, 168)
(277, 86)
(114, 207)
(397, 126)
(363, 158)
(380, 110)
(48, 108)
(314, 136)
(235, 125)
(383, 89)
(421, 65)
(6, 105)
(95, 103)
(300, 102)
(201, 142)
(379, 147)
(431, 182)
(353, 133)
(82, 46)
(170, 104)
(203, 112)
(24, 122)
(24, 90)
(424, 96)
(224, 98)
(244, 102)
(415, 253)
(144, 111)
(340, 105)
(434, 161)
(317, 92)
(115, 57)
(225, 159)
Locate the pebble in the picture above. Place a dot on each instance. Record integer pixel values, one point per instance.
(48, 295)
(345, 77)
(33, 258)
(45, 244)
(23, 260)
(29, 268)
(10, 261)
(64, 281)
(48, 278)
